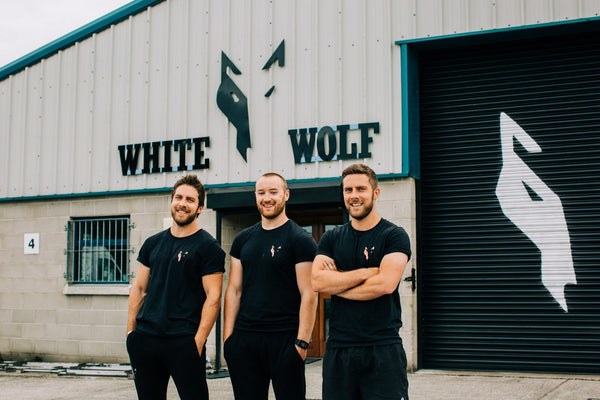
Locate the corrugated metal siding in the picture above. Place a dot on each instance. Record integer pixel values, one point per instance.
(485, 298)
(155, 76)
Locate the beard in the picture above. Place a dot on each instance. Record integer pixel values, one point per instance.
(271, 213)
(366, 210)
(181, 220)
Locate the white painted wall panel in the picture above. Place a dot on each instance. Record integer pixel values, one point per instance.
(49, 134)
(155, 77)
(536, 11)
(5, 138)
(17, 118)
(121, 83)
(67, 118)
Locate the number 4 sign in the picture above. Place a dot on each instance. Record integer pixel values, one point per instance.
(32, 243)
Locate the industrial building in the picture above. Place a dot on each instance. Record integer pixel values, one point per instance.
(481, 119)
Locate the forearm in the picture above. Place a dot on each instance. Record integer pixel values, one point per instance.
(335, 282)
(386, 280)
(210, 310)
(136, 299)
(232, 307)
(308, 310)
(370, 289)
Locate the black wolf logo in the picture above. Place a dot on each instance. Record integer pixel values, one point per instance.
(234, 103)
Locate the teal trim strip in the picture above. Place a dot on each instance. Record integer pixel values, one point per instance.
(88, 194)
(168, 189)
(77, 35)
(404, 76)
(410, 112)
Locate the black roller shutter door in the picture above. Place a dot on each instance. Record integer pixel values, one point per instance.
(483, 302)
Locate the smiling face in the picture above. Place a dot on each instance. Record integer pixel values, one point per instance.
(359, 195)
(271, 195)
(185, 206)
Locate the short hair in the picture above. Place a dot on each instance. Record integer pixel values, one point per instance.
(193, 181)
(272, 174)
(361, 169)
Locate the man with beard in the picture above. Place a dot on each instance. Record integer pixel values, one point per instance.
(175, 300)
(270, 306)
(361, 264)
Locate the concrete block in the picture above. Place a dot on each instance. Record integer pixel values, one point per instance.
(105, 333)
(11, 329)
(43, 346)
(104, 303)
(117, 350)
(55, 331)
(34, 271)
(148, 223)
(21, 285)
(157, 204)
(79, 332)
(79, 302)
(68, 347)
(23, 210)
(19, 345)
(4, 345)
(33, 331)
(24, 316)
(5, 315)
(7, 226)
(92, 317)
(128, 205)
(91, 348)
(54, 241)
(46, 287)
(81, 208)
(68, 316)
(115, 317)
(45, 316)
(58, 209)
(105, 206)
(10, 300)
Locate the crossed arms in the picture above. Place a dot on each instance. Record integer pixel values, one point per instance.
(359, 284)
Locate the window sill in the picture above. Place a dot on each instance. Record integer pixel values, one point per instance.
(102, 290)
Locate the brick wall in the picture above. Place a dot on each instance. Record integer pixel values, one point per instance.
(42, 316)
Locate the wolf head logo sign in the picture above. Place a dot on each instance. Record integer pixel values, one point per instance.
(234, 103)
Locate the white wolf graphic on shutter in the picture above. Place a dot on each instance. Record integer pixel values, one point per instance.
(543, 219)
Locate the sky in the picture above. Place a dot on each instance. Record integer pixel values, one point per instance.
(27, 25)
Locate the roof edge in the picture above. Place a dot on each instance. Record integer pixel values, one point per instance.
(77, 35)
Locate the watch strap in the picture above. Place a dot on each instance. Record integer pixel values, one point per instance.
(302, 344)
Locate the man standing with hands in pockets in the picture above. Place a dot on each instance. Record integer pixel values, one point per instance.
(361, 264)
(269, 302)
(175, 300)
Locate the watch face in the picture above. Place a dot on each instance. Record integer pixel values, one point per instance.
(302, 344)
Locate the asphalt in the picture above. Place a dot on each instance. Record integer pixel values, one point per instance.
(424, 385)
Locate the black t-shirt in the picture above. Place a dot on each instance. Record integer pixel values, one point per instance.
(270, 299)
(362, 323)
(175, 296)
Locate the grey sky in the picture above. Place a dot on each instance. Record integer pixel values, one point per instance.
(26, 25)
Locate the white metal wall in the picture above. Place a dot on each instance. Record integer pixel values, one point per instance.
(155, 77)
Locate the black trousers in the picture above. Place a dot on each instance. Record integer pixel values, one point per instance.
(365, 373)
(255, 358)
(154, 359)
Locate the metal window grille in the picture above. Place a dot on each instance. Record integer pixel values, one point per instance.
(98, 250)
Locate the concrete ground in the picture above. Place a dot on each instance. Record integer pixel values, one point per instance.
(424, 385)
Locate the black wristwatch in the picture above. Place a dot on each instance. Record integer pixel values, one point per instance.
(302, 344)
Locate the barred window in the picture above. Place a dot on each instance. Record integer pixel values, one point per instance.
(98, 250)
